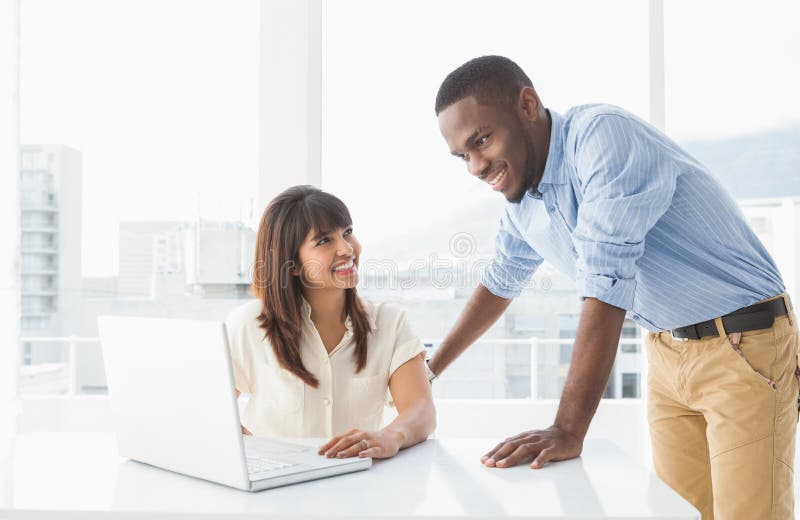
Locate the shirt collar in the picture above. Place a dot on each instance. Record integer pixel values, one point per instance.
(305, 308)
(553, 172)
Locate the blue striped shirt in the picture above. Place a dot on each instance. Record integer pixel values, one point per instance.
(637, 223)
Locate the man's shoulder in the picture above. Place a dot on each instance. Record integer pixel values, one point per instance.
(583, 117)
(584, 121)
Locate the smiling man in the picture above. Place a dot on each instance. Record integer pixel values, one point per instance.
(646, 231)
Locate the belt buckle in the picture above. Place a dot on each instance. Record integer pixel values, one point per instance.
(690, 331)
(693, 332)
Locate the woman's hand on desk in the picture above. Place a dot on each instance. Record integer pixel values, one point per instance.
(541, 446)
(379, 445)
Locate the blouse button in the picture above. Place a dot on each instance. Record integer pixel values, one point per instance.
(326, 401)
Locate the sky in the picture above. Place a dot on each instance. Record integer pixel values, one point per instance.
(161, 97)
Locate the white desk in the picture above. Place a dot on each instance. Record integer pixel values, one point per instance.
(79, 475)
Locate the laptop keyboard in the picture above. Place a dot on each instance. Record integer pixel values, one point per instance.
(261, 464)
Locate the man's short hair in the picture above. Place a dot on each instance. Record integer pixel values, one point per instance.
(491, 80)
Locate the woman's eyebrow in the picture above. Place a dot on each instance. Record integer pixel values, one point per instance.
(319, 235)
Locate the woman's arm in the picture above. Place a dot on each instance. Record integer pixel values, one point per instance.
(411, 393)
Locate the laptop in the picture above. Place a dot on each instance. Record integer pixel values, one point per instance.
(174, 406)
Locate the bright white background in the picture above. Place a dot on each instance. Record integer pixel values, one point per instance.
(162, 97)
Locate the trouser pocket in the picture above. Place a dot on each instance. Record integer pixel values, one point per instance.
(797, 376)
(734, 340)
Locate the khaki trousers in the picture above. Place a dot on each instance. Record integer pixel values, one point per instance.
(722, 423)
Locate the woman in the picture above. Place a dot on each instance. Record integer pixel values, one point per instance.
(315, 358)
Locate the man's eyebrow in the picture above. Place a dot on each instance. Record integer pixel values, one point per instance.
(470, 139)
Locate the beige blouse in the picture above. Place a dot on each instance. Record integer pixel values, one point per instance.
(281, 404)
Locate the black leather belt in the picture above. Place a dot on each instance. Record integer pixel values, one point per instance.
(754, 317)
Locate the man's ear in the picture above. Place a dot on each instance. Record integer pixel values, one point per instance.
(528, 105)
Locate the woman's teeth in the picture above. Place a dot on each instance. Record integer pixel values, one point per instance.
(344, 267)
(498, 178)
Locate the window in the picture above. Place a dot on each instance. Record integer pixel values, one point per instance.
(565, 354)
(630, 332)
(152, 134)
(731, 101)
(155, 158)
(630, 385)
(760, 225)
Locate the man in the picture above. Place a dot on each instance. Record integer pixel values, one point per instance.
(646, 231)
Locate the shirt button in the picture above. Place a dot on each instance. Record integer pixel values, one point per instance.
(551, 209)
(326, 401)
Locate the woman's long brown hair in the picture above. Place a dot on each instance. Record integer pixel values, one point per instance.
(283, 228)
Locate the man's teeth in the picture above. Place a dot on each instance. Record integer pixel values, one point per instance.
(344, 267)
(498, 178)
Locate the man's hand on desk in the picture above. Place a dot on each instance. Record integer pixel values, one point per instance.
(541, 446)
(592, 358)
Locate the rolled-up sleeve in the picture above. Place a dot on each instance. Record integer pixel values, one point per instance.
(625, 191)
(513, 264)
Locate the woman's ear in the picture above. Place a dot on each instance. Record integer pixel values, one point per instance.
(296, 269)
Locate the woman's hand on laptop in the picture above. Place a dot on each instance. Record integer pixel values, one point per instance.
(379, 445)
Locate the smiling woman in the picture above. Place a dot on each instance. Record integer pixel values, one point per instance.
(316, 359)
(304, 239)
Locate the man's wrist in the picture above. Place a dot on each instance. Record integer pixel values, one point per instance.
(578, 431)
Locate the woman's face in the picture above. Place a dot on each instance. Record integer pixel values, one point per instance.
(329, 260)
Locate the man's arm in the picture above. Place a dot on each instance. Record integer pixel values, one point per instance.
(480, 313)
(592, 359)
(593, 356)
(514, 262)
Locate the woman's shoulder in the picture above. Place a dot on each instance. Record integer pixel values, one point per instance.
(384, 315)
(244, 316)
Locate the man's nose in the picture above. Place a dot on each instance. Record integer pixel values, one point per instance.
(477, 164)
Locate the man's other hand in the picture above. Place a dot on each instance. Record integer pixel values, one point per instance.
(539, 446)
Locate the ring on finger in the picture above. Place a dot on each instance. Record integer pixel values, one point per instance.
(365, 443)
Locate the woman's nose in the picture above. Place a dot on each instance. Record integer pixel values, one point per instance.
(345, 248)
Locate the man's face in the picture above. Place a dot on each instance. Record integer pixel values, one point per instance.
(494, 144)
